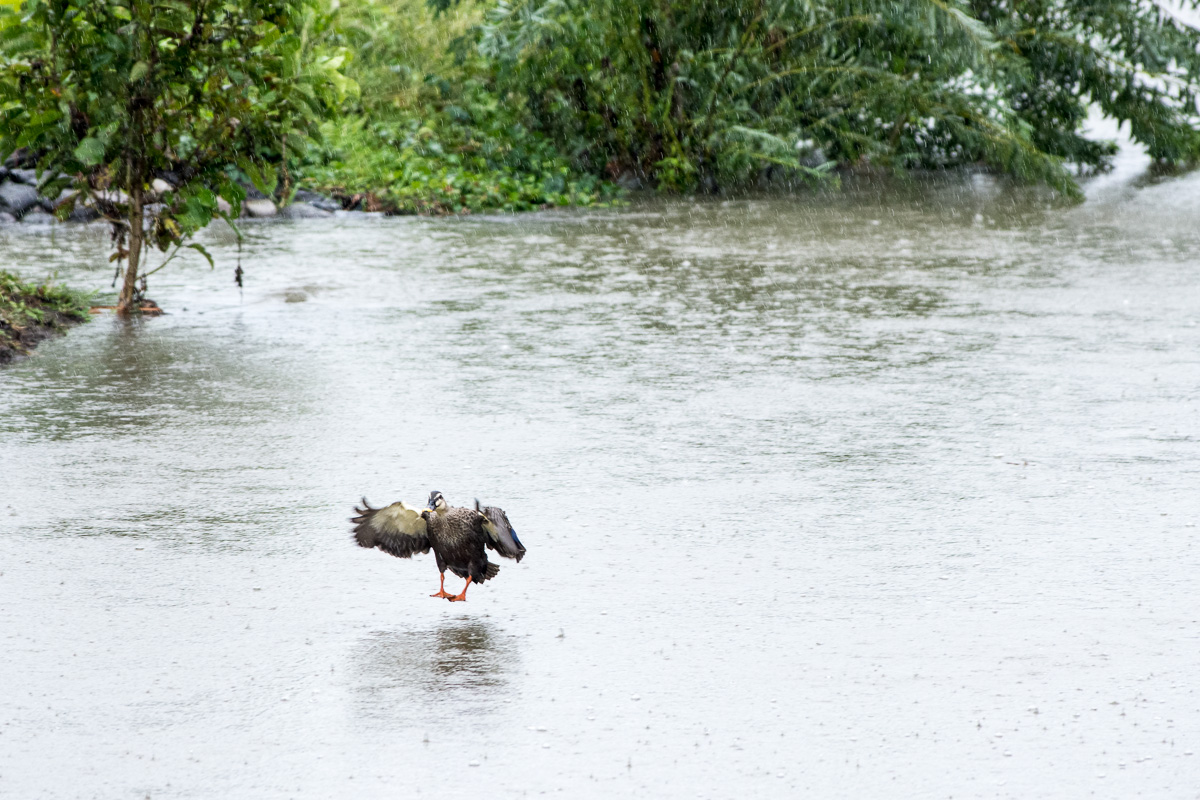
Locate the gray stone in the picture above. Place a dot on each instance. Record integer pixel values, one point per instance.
(259, 208)
(38, 217)
(3, 173)
(17, 198)
(159, 186)
(6, 218)
(27, 176)
(253, 193)
(18, 157)
(82, 213)
(629, 180)
(223, 205)
(318, 200)
(303, 211)
(112, 196)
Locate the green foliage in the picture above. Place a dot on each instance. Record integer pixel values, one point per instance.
(429, 134)
(406, 56)
(450, 106)
(110, 94)
(26, 306)
(707, 93)
(1135, 61)
(449, 161)
(723, 92)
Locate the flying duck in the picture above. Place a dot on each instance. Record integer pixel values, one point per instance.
(456, 535)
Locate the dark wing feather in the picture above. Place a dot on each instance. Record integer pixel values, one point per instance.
(396, 529)
(500, 535)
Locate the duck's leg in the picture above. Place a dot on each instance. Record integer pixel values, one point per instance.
(441, 592)
(460, 597)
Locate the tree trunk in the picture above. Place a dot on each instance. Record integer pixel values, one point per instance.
(286, 183)
(125, 304)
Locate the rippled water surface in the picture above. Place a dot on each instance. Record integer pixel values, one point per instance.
(870, 495)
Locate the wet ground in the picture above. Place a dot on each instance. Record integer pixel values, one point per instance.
(885, 494)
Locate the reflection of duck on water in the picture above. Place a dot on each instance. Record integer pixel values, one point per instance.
(465, 647)
(463, 661)
(458, 537)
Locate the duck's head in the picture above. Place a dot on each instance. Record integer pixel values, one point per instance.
(438, 503)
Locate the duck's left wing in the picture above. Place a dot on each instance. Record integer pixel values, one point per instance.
(501, 536)
(397, 529)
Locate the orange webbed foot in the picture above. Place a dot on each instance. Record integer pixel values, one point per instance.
(441, 592)
(460, 598)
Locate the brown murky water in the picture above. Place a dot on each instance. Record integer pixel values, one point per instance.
(878, 495)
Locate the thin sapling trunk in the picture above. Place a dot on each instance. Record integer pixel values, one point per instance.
(125, 303)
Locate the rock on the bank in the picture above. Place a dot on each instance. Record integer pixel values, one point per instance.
(318, 200)
(160, 187)
(17, 198)
(259, 208)
(26, 176)
(82, 213)
(38, 217)
(303, 211)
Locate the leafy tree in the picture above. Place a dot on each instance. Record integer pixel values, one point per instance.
(689, 92)
(108, 95)
(1136, 61)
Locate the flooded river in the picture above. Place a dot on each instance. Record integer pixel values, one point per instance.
(867, 495)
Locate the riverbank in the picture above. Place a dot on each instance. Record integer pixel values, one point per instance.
(30, 313)
(350, 186)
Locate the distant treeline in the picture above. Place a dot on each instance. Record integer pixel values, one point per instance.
(533, 101)
(441, 106)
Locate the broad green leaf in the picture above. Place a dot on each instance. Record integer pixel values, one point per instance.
(205, 197)
(200, 249)
(90, 152)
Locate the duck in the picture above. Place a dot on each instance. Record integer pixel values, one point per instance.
(458, 536)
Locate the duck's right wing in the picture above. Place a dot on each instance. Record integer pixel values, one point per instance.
(502, 537)
(396, 529)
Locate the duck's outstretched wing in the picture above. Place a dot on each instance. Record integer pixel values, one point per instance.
(396, 529)
(500, 534)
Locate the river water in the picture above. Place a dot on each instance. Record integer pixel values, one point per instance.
(879, 494)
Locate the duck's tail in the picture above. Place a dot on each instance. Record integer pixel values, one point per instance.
(490, 570)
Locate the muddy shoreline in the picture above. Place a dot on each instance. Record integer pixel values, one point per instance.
(32, 313)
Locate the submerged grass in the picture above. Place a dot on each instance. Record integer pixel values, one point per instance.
(31, 312)
(409, 165)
